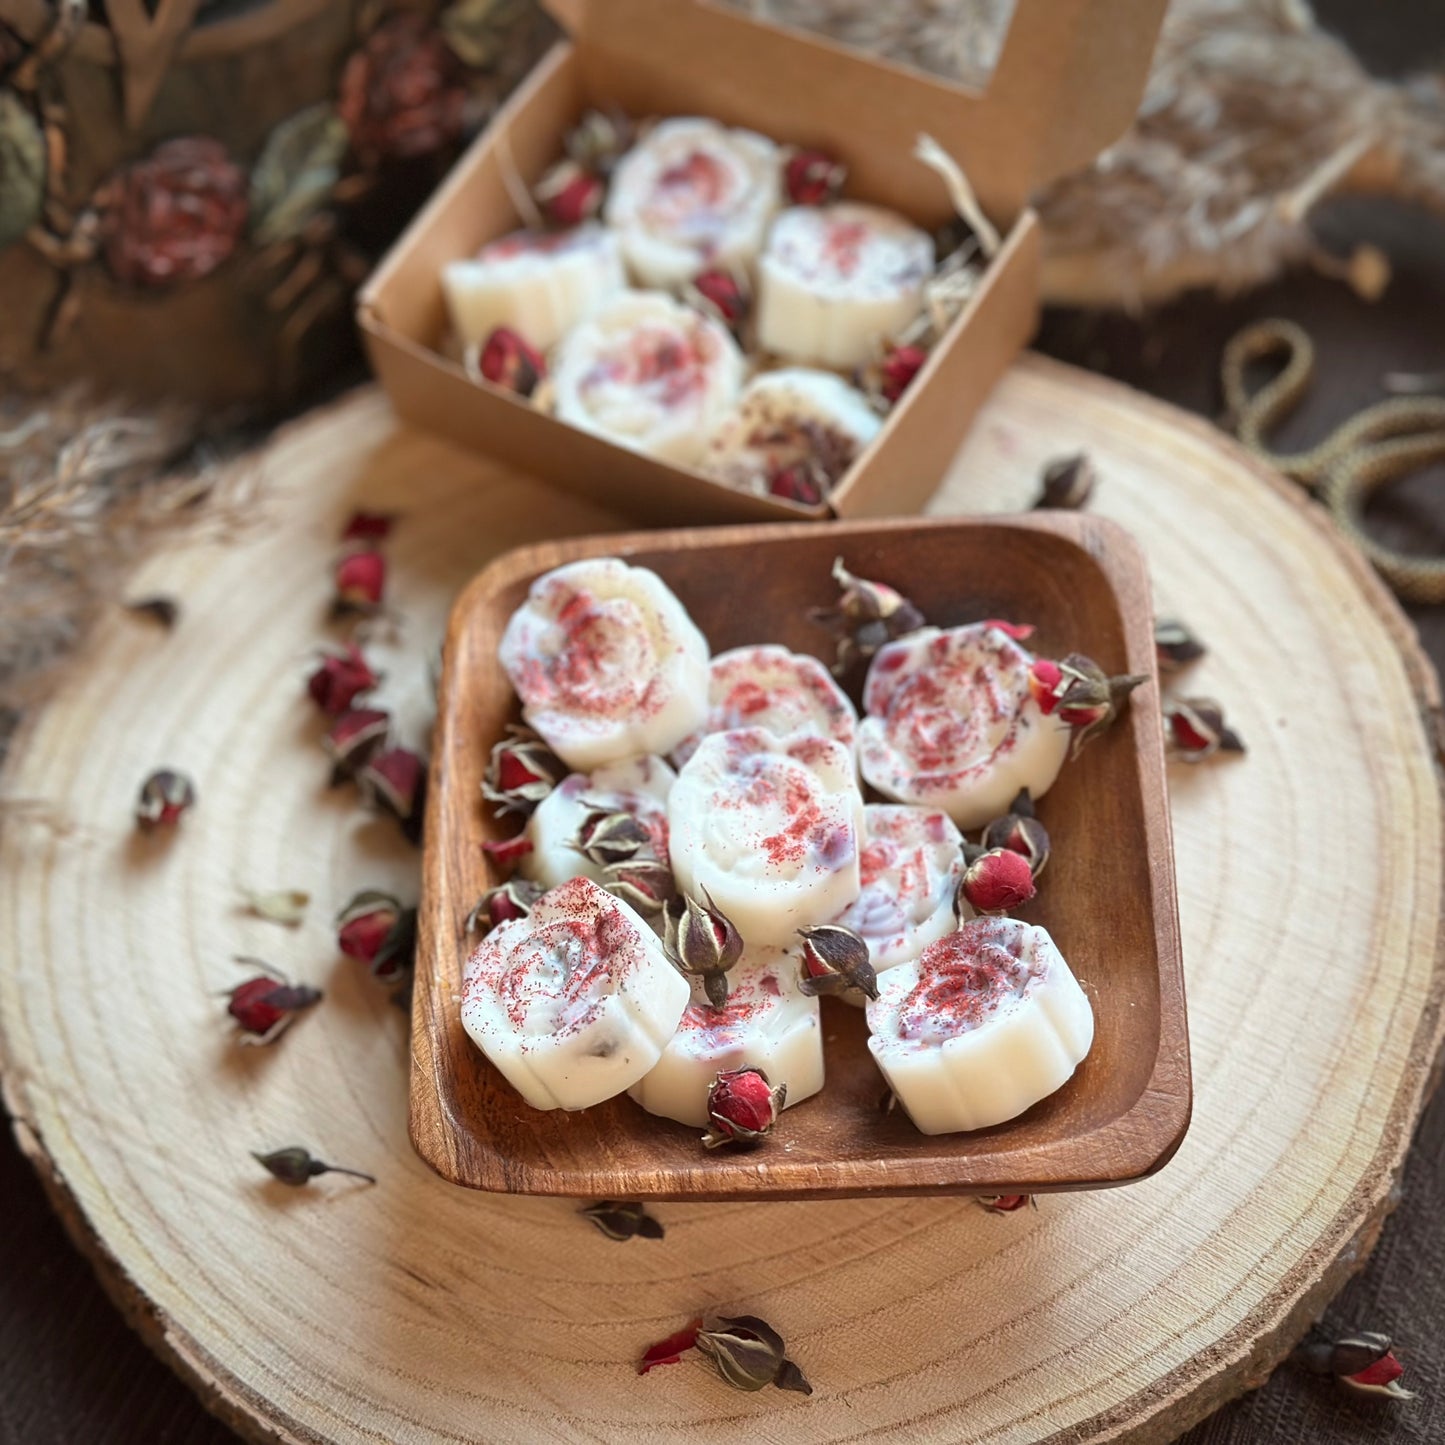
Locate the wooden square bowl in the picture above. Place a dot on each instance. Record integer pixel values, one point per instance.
(1107, 897)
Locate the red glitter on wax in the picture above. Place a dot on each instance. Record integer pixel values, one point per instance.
(843, 246)
(963, 977)
(700, 175)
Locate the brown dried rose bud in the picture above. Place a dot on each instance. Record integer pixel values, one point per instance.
(702, 941)
(507, 361)
(395, 782)
(164, 796)
(868, 615)
(521, 771)
(507, 901)
(340, 679)
(642, 883)
(296, 1166)
(377, 930)
(1175, 645)
(605, 837)
(748, 1353)
(721, 294)
(835, 959)
(1020, 832)
(360, 582)
(599, 140)
(813, 177)
(896, 371)
(568, 194)
(352, 739)
(1006, 1203)
(741, 1107)
(994, 882)
(265, 1006)
(1363, 1363)
(622, 1220)
(174, 216)
(1197, 729)
(1080, 693)
(401, 94)
(1068, 483)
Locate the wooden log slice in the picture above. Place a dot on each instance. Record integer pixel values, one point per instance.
(1310, 891)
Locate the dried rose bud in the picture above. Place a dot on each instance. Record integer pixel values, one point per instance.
(264, 1007)
(642, 883)
(340, 679)
(164, 796)
(599, 140)
(721, 294)
(507, 901)
(1197, 729)
(995, 881)
(507, 852)
(606, 837)
(670, 1350)
(741, 1107)
(510, 363)
(353, 738)
(896, 371)
(813, 177)
(296, 1166)
(622, 1220)
(1006, 1203)
(801, 483)
(1175, 645)
(1068, 483)
(1080, 693)
(702, 941)
(835, 959)
(748, 1353)
(868, 615)
(368, 527)
(569, 195)
(360, 582)
(521, 771)
(395, 782)
(1363, 1363)
(1020, 832)
(377, 930)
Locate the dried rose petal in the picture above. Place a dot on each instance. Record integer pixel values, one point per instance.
(507, 851)
(670, 1351)
(569, 195)
(376, 929)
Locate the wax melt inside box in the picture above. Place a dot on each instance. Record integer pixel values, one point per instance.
(1067, 83)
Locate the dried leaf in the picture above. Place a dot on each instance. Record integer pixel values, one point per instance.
(22, 168)
(284, 905)
(296, 173)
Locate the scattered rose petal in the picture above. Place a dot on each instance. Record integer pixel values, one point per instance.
(671, 1350)
(339, 679)
(508, 850)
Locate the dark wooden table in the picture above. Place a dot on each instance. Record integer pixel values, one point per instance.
(71, 1372)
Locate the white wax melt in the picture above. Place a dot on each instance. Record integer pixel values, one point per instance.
(768, 829)
(950, 723)
(607, 663)
(649, 374)
(788, 694)
(691, 195)
(540, 283)
(575, 1002)
(638, 786)
(767, 1024)
(794, 417)
(910, 865)
(984, 1024)
(836, 280)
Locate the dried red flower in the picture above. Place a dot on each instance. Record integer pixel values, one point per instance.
(401, 94)
(996, 881)
(702, 941)
(164, 796)
(569, 195)
(896, 371)
(507, 901)
(1175, 645)
(508, 851)
(835, 960)
(1197, 729)
(360, 581)
(721, 294)
(521, 771)
(264, 1007)
(353, 738)
(868, 615)
(797, 483)
(813, 177)
(1081, 693)
(368, 527)
(1020, 832)
(1006, 1203)
(395, 782)
(742, 1106)
(1364, 1363)
(376, 929)
(509, 362)
(174, 216)
(671, 1350)
(749, 1355)
(339, 679)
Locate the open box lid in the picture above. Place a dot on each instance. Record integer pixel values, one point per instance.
(1068, 82)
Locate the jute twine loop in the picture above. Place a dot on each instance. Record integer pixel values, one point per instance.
(1375, 446)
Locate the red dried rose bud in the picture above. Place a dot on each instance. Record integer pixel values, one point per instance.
(340, 679)
(507, 901)
(702, 941)
(1080, 693)
(174, 216)
(1006, 1203)
(508, 851)
(264, 1007)
(360, 581)
(835, 959)
(1175, 645)
(868, 615)
(569, 195)
(164, 796)
(510, 363)
(741, 1107)
(1068, 483)
(377, 930)
(401, 94)
(352, 739)
(813, 177)
(797, 483)
(395, 782)
(996, 881)
(1363, 1363)
(368, 527)
(896, 371)
(521, 771)
(1197, 729)
(721, 294)
(1020, 832)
